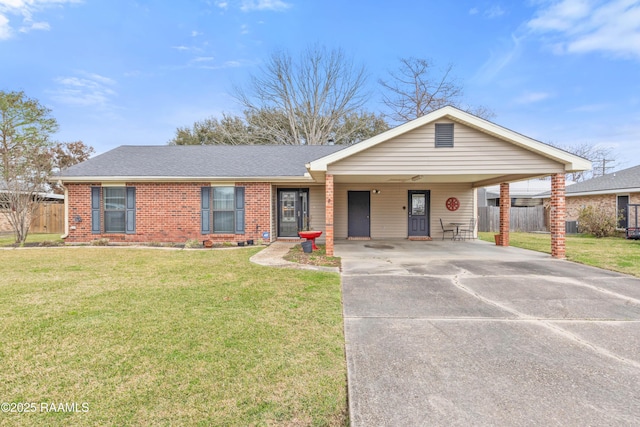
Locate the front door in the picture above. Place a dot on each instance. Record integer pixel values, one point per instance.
(358, 214)
(293, 212)
(418, 213)
(623, 211)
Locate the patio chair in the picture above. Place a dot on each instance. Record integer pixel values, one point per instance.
(444, 230)
(469, 231)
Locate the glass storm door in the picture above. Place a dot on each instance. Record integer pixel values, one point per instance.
(293, 211)
(418, 213)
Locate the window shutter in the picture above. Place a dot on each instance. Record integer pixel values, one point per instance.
(131, 211)
(205, 210)
(444, 135)
(95, 210)
(239, 210)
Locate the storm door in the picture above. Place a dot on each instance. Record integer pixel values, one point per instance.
(293, 211)
(418, 213)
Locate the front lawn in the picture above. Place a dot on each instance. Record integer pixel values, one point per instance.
(169, 337)
(611, 253)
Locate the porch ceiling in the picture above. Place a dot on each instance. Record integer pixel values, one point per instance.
(476, 180)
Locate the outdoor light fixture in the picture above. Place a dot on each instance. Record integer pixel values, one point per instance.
(374, 191)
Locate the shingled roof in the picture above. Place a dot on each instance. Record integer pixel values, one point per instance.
(208, 161)
(626, 180)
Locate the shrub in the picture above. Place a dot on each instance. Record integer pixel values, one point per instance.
(193, 243)
(100, 242)
(597, 221)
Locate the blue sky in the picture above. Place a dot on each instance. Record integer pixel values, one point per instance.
(130, 72)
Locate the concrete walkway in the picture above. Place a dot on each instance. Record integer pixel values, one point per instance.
(272, 256)
(467, 333)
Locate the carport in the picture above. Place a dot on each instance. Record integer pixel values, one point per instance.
(450, 333)
(401, 183)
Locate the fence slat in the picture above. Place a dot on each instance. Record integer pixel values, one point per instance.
(521, 219)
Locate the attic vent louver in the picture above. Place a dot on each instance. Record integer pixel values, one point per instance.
(444, 135)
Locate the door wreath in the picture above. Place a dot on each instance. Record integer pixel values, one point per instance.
(452, 204)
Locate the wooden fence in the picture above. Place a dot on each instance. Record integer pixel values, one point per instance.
(521, 219)
(48, 218)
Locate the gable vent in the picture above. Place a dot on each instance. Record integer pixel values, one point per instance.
(444, 135)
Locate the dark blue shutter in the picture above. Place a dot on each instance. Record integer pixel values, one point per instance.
(205, 213)
(131, 210)
(239, 210)
(95, 210)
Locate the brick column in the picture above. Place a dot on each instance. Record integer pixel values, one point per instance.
(558, 216)
(328, 231)
(505, 213)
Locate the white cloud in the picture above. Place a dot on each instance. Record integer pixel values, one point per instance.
(26, 9)
(532, 97)
(498, 60)
(582, 26)
(222, 5)
(276, 5)
(87, 89)
(473, 11)
(494, 12)
(5, 28)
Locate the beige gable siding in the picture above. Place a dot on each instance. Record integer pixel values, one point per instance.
(474, 152)
(389, 208)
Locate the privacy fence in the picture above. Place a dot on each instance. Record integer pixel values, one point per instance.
(48, 218)
(522, 219)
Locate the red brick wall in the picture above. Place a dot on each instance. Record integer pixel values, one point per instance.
(168, 212)
(505, 214)
(558, 215)
(607, 202)
(329, 197)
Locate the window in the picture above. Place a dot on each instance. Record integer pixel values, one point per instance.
(444, 135)
(223, 210)
(114, 210)
(226, 206)
(117, 213)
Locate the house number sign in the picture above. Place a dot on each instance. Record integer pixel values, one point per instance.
(452, 204)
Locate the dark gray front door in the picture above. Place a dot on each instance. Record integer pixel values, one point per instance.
(418, 213)
(359, 212)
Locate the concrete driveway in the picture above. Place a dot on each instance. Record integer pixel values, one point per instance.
(467, 333)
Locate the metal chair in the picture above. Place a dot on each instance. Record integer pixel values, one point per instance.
(444, 230)
(470, 231)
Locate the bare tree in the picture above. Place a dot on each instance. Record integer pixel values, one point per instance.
(314, 93)
(603, 159)
(25, 158)
(417, 88)
(67, 154)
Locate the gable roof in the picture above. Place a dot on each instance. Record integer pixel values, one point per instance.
(623, 181)
(169, 162)
(571, 162)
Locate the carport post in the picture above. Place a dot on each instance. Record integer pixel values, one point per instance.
(505, 214)
(328, 231)
(558, 216)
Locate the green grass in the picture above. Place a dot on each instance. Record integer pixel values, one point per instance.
(8, 239)
(169, 337)
(610, 253)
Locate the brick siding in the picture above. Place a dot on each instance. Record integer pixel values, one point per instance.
(604, 201)
(558, 215)
(168, 213)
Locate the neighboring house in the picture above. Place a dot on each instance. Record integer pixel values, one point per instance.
(46, 199)
(399, 184)
(612, 192)
(522, 193)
